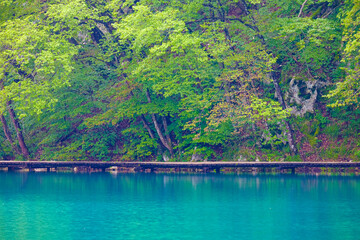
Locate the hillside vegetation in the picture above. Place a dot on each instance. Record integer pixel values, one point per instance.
(180, 80)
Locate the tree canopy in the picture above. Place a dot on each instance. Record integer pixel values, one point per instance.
(178, 80)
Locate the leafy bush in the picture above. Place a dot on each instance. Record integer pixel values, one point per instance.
(333, 130)
(295, 158)
(336, 152)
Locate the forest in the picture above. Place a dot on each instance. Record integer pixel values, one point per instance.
(180, 80)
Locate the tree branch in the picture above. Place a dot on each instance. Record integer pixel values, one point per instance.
(302, 6)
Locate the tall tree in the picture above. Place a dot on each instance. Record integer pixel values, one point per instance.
(34, 60)
(347, 90)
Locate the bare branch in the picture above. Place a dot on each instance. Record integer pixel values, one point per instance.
(302, 6)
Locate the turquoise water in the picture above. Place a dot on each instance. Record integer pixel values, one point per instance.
(178, 206)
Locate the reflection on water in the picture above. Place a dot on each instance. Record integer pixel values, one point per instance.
(177, 206)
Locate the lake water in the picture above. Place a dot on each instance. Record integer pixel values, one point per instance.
(178, 206)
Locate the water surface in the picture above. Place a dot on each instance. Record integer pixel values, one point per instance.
(178, 206)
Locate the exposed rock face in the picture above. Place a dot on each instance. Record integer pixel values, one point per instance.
(306, 98)
(197, 157)
(242, 159)
(166, 158)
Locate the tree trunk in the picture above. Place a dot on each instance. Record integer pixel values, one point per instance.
(158, 130)
(161, 136)
(8, 135)
(23, 147)
(289, 132)
(152, 136)
(146, 125)
(168, 136)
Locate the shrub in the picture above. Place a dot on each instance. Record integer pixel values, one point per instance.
(295, 158)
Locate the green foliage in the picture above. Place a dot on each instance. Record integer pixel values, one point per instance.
(34, 60)
(336, 152)
(140, 145)
(270, 155)
(138, 80)
(357, 155)
(333, 130)
(321, 119)
(347, 91)
(295, 158)
(311, 130)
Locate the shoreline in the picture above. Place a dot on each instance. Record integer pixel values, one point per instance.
(179, 167)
